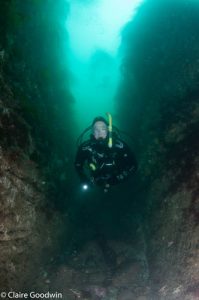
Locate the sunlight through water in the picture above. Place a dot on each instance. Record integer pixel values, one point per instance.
(94, 37)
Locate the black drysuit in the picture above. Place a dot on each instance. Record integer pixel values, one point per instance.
(98, 164)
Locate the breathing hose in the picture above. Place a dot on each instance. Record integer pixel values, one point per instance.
(110, 129)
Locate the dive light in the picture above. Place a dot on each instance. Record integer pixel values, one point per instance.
(85, 187)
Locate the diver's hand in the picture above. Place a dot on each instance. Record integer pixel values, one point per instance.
(92, 181)
(122, 176)
(106, 187)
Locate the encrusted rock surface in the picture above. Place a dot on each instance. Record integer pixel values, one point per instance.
(29, 228)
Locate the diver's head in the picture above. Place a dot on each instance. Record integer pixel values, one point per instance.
(100, 128)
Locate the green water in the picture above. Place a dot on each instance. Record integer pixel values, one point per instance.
(94, 29)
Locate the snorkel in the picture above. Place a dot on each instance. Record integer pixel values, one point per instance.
(110, 129)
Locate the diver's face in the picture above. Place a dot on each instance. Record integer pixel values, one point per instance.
(100, 130)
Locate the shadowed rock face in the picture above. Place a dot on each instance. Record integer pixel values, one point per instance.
(29, 228)
(26, 231)
(19, 230)
(162, 77)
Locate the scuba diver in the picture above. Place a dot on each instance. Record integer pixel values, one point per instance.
(104, 159)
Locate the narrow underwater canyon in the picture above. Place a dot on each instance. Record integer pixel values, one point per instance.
(141, 239)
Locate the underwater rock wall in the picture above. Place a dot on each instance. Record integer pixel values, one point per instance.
(160, 84)
(172, 203)
(30, 230)
(33, 150)
(33, 49)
